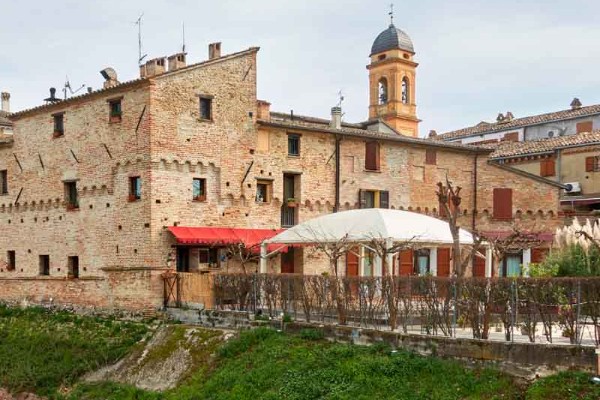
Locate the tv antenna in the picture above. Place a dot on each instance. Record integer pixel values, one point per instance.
(183, 37)
(67, 87)
(340, 98)
(138, 22)
(391, 14)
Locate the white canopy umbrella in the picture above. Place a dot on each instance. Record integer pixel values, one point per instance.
(365, 225)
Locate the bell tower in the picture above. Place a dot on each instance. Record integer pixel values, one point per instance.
(392, 77)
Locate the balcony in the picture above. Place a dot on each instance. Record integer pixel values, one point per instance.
(288, 216)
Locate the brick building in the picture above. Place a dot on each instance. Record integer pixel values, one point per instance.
(97, 184)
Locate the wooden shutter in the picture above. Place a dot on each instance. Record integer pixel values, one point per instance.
(372, 156)
(478, 266)
(547, 167)
(443, 261)
(538, 255)
(590, 164)
(586, 126)
(511, 137)
(352, 262)
(384, 199)
(430, 157)
(502, 203)
(362, 199)
(406, 262)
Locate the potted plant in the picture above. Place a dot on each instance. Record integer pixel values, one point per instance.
(292, 202)
(115, 117)
(57, 134)
(72, 206)
(200, 197)
(132, 198)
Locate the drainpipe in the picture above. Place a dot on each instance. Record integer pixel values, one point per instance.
(473, 218)
(336, 208)
(558, 166)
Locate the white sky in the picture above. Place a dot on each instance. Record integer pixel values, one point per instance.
(477, 58)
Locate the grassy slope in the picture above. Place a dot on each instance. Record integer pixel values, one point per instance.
(41, 351)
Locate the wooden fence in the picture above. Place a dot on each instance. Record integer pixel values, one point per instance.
(183, 289)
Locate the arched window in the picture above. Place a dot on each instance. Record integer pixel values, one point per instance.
(383, 91)
(405, 90)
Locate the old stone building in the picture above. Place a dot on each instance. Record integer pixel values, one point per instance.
(107, 190)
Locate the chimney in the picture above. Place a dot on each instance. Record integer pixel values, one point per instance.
(263, 110)
(52, 98)
(432, 133)
(143, 71)
(575, 104)
(176, 61)
(154, 67)
(509, 116)
(5, 102)
(500, 117)
(214, 50)
(110, 77)
(336, 118)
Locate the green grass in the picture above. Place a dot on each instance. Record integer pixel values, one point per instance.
(564, 386)
(265, 364)
(40, 351)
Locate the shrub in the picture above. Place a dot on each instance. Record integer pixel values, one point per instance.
(311, 334)
(572, 260)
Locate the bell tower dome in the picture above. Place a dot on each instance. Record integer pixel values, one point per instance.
(392, 75)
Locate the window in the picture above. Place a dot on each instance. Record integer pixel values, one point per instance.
(383, 91)
(547, 167)
(511, 265)
(11, 260)
(421, 262)
(405, 90)
(586, 126)
(372, 156)
(511, 137)
(45, 265)
(71, 195)
(263, 191)
(430, 157)
(73, 267)
(293, 145)
(374, 198)
(592, 164)
(502, 203)
(199, 189)
(208, 257)
(135, 188)
(59, 126)
(115, 110)
(3, 182)
(206, 107)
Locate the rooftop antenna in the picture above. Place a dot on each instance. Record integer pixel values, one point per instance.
(183, 36)
(138, 22)
(391, 14)
(67, 87)
(340, 98)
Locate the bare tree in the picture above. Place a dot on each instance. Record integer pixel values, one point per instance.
(244, 255)
(449, 199)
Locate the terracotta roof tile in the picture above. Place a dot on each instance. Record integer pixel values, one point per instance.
(513, 149)
(365, 133)
(488, 127)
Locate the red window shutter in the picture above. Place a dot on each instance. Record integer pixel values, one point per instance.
(430, 157)
(478, 266)
(406, 262)
(443, 261)
(585, 126)
(538, 255)
(511, 137)
(551, 167)
(502, 203)
(589, 164)
(372, 156)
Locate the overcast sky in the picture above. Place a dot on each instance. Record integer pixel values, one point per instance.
(477, 58)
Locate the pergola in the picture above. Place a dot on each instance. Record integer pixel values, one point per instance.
(363, 226)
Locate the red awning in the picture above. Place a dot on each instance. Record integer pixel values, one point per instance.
(217, 236)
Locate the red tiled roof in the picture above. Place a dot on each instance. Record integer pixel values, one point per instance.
(489, 127)
(513, 149)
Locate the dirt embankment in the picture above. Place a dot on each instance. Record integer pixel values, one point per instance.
(171, 355)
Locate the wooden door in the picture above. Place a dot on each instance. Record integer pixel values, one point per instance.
(479, 266)
(287, 261)
(406, 262)
(352, 262)
(443, 261)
